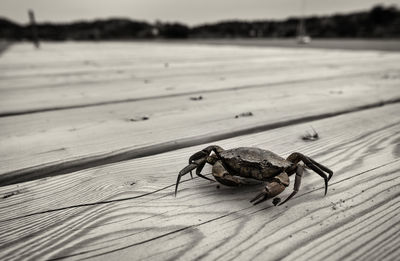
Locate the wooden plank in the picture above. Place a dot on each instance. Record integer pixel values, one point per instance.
(127, 210)
(72, 78)
(54, 138)
(74, 58)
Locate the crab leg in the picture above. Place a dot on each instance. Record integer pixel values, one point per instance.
(198, 165)
(198, 172)
(182, 173)
(204, 153)
(322, 167)
(312, 164)
(297, 183)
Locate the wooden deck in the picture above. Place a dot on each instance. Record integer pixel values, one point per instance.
(93, 135)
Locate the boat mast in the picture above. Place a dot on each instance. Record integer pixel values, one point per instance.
(301, 29)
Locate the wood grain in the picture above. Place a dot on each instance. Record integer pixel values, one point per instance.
(127, 210)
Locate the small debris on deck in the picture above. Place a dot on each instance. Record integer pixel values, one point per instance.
(244, 114)
(143, 118)
(336, 92)
(12, 193)
(310, 136)
(196, 98)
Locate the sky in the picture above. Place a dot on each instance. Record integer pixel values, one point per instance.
(191, 12)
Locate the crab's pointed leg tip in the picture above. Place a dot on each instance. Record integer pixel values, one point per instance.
(176, 190)
(326, 186)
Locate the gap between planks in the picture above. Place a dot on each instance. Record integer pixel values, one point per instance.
(172, 95)
(64, 167)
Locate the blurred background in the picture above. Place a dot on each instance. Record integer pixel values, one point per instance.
(179, 19)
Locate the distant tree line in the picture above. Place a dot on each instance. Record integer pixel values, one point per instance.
(379, 22)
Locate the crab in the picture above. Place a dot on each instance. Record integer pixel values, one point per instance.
(243, 165)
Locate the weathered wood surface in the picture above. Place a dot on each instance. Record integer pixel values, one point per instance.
(276, 86)
(126, 210)
(100, 74)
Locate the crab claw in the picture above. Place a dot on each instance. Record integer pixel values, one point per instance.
(271, 190)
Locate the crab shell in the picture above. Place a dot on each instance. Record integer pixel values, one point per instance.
(253, 163)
